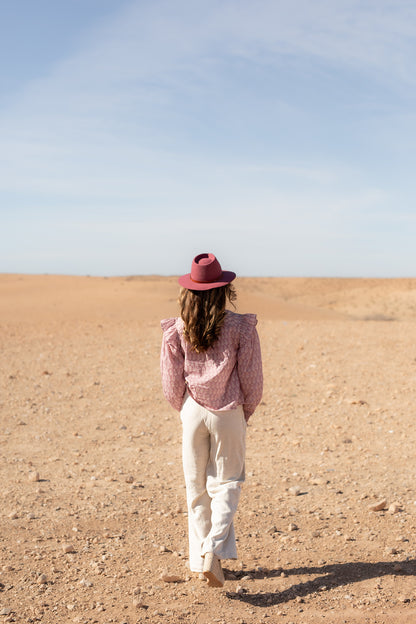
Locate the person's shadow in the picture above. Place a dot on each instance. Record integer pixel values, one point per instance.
(330, 576)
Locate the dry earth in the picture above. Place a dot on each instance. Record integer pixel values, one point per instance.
(93, 504)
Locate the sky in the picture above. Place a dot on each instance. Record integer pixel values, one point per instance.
(279, 135)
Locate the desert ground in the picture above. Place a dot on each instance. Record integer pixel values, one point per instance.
(93, 523)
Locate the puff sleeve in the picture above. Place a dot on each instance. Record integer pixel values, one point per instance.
(250, 370)
(172, 365)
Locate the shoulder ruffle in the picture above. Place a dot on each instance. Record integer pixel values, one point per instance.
(171, 334)
(171, 331)
(248, 325)
(167, 324)
(244, 323)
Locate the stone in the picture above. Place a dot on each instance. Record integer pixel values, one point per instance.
(68, 548)
(382, 504)
(391, 551)
(394, 508)
(34, 476)
(293, 527)
(295, 490)
(170, 578)
(42, 579)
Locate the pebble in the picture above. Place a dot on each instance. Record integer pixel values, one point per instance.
(391, 551)
(293, 527)
(33, 476)
(170, 578)
(317, 481)
(68, 548)
(13, 515)
(42, 579)
(138, 603)
(382, 504)
(5, 611)
(295, 490)
(85, 583)
(394, 508)
(130, 479)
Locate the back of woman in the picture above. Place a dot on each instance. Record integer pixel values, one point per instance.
(212, 373)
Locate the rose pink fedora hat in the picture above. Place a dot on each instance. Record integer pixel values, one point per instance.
(206, 273)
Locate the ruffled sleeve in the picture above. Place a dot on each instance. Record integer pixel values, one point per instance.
(172, 364)
(250, 370)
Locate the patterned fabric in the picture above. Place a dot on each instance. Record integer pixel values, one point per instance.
(225, 376)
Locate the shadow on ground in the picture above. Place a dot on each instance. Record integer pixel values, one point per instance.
(329, 576)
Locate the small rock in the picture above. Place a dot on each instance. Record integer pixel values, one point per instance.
(163, 549)
(240, 590)
(68, 548)
(138, 603)
(33, 476)
(293, 527)
(295, 490)
(382, 504)
(130, 479)
(6, 611)
(13, 515)
(171, 578)
(317, 481)
(42, 579)
(391, 551)
(85, 583)
(394, 508)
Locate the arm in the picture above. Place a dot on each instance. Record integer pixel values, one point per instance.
(250, 372)
(172, 370)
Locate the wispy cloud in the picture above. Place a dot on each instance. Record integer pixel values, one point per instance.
(267, 116)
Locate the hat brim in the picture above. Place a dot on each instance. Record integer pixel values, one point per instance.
(223, 280)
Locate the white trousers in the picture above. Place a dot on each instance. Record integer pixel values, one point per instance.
(213, 452)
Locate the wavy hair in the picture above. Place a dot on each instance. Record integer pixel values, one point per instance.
(203, 313)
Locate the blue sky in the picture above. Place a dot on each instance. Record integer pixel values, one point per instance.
(278, 134)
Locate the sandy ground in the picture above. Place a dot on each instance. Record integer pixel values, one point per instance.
(93, 519)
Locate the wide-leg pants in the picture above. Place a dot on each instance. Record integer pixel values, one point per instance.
(213, 452)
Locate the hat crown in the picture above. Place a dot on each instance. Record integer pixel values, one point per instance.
(205, 268)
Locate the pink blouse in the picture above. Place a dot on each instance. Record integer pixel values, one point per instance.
(225, 376)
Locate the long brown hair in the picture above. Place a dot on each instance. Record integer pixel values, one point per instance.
(203, 313)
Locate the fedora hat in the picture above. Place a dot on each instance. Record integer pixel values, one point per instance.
(206, 273)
